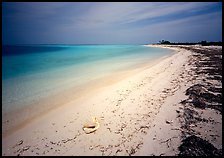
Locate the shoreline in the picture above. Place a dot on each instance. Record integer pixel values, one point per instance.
(133, 115)
(23, 116)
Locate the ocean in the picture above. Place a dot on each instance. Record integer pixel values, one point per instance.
(31, 73)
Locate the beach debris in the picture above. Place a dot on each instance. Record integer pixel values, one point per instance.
(142, 127)
(91, 147)
(102, 117)
(169, 122)
(132, 151)
(168, 141)
(118, 150)
(201, 97)
(20, 142)
(206, 95)
(25, 148)
(91, 127)
(109, 129)
(67, 140)
(161, 154)
(20, 151)
(195, 146)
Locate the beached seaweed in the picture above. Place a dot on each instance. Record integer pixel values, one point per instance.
(203, 98)
(207, 61)
(205, 93)
(195, 146)
(191, 117)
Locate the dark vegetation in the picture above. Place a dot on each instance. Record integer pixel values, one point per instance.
(203, 43)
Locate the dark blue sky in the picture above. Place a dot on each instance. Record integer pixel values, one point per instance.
(110, 22)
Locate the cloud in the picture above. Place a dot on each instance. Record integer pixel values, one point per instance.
(105, 22)
(121, 13)
(199, 27)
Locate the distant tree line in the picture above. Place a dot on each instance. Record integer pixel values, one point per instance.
(203, 43)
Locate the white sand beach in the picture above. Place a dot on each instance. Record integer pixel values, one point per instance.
(140, 114)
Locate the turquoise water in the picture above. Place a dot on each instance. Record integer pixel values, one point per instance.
(33, 72)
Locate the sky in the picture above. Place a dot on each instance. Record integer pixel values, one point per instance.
(110, 22)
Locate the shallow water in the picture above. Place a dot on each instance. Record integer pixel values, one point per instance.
(34, 72)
